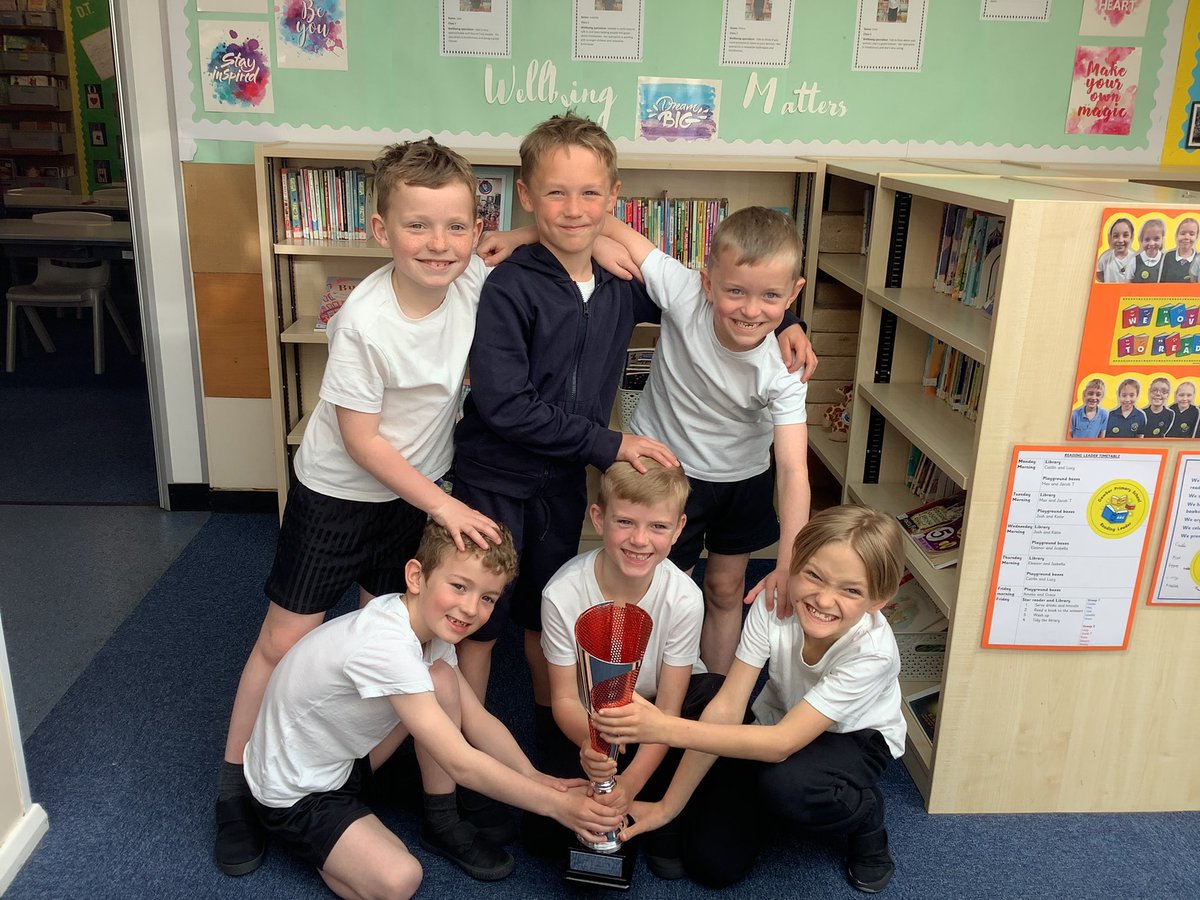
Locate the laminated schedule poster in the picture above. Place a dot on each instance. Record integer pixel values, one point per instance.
(1177, 575)
(1072, 547)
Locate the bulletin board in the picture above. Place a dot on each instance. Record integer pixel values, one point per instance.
(95, 85)
(960, 81)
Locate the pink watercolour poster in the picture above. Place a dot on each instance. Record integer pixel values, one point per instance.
(1115, 18)
(1103, 90)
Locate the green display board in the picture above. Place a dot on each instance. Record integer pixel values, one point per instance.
(982, 83)
(99, 114)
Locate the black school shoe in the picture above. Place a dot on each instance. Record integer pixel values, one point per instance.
(663, 851)
(869, 865)
(464, 846)
(490, 817)
(241, 843)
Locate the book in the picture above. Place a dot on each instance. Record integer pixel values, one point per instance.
(337, 289)
(911, 610)
(925, 705)
(936, 529)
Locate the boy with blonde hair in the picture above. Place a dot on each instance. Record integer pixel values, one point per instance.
(638, 516)
(378, 439)
(345, 696)
(720, 396)
(549, 350)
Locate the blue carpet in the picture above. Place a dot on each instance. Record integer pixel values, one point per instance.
(71, 436)
(125, 766)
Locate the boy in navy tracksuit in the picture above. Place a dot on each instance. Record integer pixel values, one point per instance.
(550, 342)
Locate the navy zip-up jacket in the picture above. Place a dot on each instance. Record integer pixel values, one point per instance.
(544, 373)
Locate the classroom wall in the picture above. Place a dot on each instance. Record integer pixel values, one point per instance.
(941, 111)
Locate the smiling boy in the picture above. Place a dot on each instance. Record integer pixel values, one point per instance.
(638, 516)
(1089, 420)
(1159, 417)
(720, 396)
(342, 700)
(1125, 420)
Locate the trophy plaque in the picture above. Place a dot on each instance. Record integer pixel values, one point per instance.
(610, 641)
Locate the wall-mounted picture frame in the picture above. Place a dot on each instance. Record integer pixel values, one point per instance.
(1193, 133)
(493, 194)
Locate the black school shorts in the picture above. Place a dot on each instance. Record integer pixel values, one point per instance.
(311, 826)
(327, 544)
(727, 518)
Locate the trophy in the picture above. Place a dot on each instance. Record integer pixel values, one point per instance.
(609, 643)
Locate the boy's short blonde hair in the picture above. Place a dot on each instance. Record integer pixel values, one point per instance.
(658, 484)
(1163, 381)
(874, 536)
(421, 164)
(1096, 382)
(754, 234)
(1137, 386)
(437, 544)
(567, 130)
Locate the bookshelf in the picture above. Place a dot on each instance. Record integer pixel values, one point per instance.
(37, 146)
(1012, 734)
(295, 269)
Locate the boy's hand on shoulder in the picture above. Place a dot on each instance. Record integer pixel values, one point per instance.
(585, 816)
(776, 587)
(637, 722)
(496, 246)
(646, 817)
(637, 445)
(615, 258)
(597, 766)
(797, 351)
(464, 523)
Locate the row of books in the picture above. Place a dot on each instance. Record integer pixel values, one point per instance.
(30, 5)
(926, 481)
(682, 228)
(23, 42)
(53, 81)
(326, 203)
(968, 256)
(9, 171)
(337, 289)
(936, 529)
(953, 376)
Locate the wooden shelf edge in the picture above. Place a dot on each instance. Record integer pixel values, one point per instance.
(965, 328)
(942, 434)
(296, 435)
(848, 268)
(833, 454)
(303, 331)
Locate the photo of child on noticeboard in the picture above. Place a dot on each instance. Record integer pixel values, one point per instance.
(1137, 371)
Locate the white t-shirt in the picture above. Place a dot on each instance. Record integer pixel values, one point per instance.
(409, 370)
(715, 408)
(854, 683)
(327, 704)
(673, 601)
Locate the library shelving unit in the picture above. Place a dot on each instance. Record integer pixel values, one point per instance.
(295, 270)
(835, 276)
(39, 147)
(1018, 731)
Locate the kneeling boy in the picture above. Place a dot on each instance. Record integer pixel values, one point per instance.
(345, 696)
(639, 516)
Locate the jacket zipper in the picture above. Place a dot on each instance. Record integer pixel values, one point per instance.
(580, 341)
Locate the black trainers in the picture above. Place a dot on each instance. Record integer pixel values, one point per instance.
(464, 846)
(869, 865)
(490, 817)
(241, 842)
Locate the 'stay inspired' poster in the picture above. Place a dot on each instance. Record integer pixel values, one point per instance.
(235, 64)
(1136, 376)
(677, 109)
(311, 34)
(1104, 87)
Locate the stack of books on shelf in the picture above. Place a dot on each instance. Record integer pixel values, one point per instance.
(337, 289)
(326, 203)
(920, 631)
(926, 481)
(967, 264)
(953, 376)
(681, 228)
(936, 529)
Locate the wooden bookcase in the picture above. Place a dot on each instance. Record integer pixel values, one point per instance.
(294, 270)
(1018, 731)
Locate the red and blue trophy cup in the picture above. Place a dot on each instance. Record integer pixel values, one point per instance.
(610, 642)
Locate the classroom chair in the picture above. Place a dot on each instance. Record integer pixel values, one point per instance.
(66, 284)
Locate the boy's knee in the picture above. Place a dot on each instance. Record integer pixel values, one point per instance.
(445, 684)
(402, 880)
(724, 590)
(277, 638)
